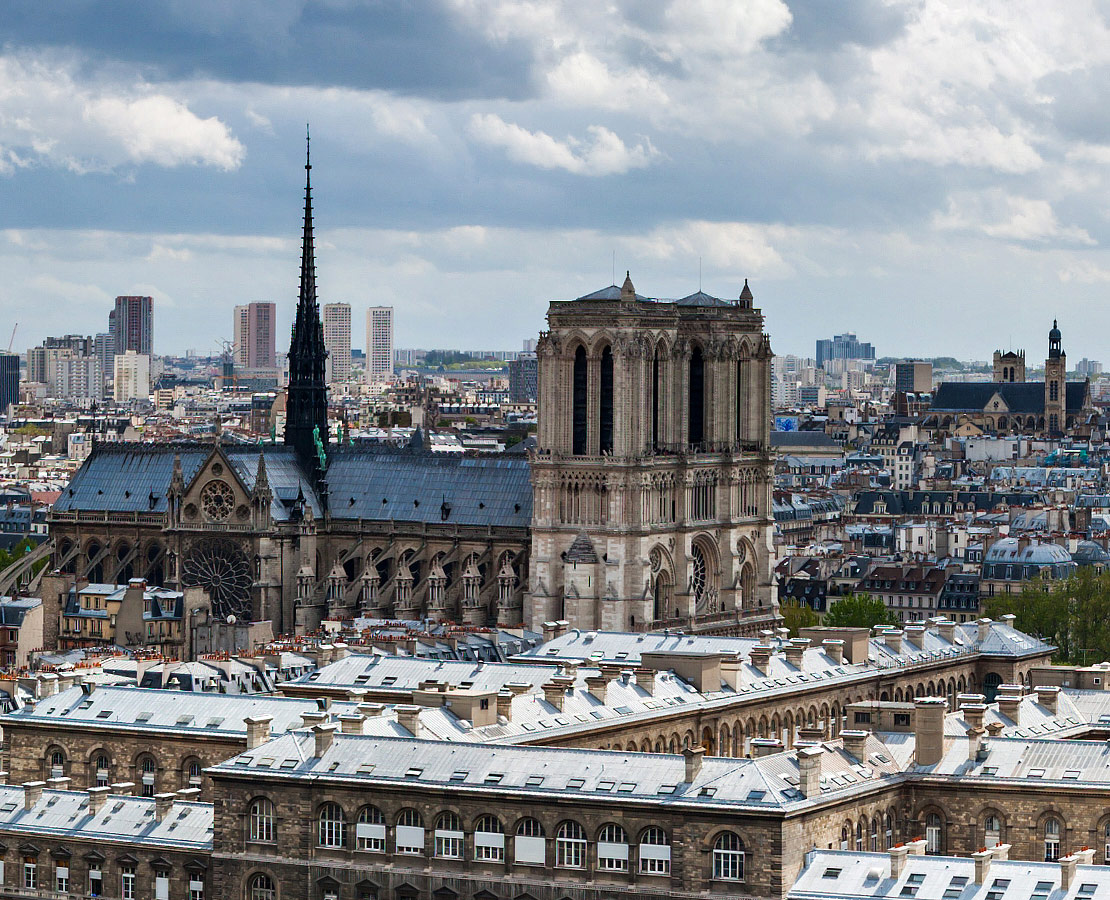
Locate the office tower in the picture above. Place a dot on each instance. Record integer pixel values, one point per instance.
(843, 346)
(913, 377)
(255, 335)
(132, 376)
(104, 349)
(337, 340)
(529, 345)
(132, 325)
(379, 343)
(9, 380)
(77, 378)
(524, 376)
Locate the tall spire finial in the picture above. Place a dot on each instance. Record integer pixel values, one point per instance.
(307, 149)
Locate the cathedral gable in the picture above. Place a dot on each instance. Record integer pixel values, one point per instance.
(216, 495)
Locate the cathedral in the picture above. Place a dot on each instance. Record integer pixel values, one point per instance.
(646, 502)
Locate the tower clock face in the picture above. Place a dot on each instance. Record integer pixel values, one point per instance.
(218, 500)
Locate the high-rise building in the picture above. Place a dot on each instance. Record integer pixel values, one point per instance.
(104, 349)
(132, 325)
(256, 335)
(337, 340)
(379, 343)
(9, 380)
(77, 378)
(913, 377)
(524, 378)
(843, 346)
(132, 376)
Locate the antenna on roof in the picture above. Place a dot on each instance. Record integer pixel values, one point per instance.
(614, 281)
(699, 274)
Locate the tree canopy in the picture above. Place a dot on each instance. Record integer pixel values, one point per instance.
(797, 616)
(858, 611)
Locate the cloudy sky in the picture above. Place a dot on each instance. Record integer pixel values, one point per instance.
(932, 174)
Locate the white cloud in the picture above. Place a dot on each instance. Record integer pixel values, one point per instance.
(48, 117)
(1000, 215)
(603, 153)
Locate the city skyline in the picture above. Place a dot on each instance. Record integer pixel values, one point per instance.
(856, 174)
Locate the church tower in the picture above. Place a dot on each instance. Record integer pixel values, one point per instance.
(1055, 384)
(306, 412)
(652, 471)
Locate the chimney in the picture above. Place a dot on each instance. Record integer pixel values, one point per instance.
(49, 682)
(994, 729)
(730, 672)
(555, 690)
(32, 791)
(598, 686)
(974, 743)
(984, 629)
(123, 788)
(809, 771)
(1067, 871)
(163, 803)
(765, 746)
(1086, 856)
(760, 657)
(855, 742)
(97, 798)
(408, 716)
(812, 733)
(1009, 705)
(190, 794)
(834, 649)
(312, 718)
(324, 735)
(1048, 697)
(505, 705)
(929, 730)
(893, 640)
(973, 714)
(693, 757)
(1001, 852)
(371, 709)
(549, 629)
(645, 678)
(982, 865)
(915, 634)
(963, 700)
(897, 861)
(918, 847)
(947, 630)
(351, 723)
(61, 783)
(258, 730)
(795, 652)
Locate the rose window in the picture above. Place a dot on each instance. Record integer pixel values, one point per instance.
(221, 568)
(218, 500)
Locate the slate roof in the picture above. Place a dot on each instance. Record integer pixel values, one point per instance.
(802, 439)
(700, 298)
(613, 292)
(582, 550)
(1026, 398)
(912, 503)
(415, 485)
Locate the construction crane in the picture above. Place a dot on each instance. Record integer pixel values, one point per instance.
(12, 341)
(227, 360)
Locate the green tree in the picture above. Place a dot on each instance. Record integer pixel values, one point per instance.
(858, 611)
(797, 616)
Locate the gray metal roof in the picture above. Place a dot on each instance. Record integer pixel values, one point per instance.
(405, 673)
(130, 820)
(853, 875)
(183, 712)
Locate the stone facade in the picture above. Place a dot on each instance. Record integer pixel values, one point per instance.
(652, 473)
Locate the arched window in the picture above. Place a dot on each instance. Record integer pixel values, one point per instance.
(699, 572)
(859, 836)
(333, 826)
(410, 833)
(655, 400)
(888, 832)
(570, 846)
(448, 836)
(1106, 843)
(992, 831)
(1051, 840)
(489, 839)
(728, 857)
(148, 768)
(101, 770)
(845, 833)
(934, 834)
(261, 887)
(579, 419)
(874, 834)
(696, 407)
(191, 773)
(655, 852)
(529, 845)
(612, 849)
(739, 400)
(57, 764)
(605, 402)
(370, 830)
(261, 820)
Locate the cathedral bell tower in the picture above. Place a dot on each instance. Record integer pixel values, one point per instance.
(306, 411)
(1055, 384)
